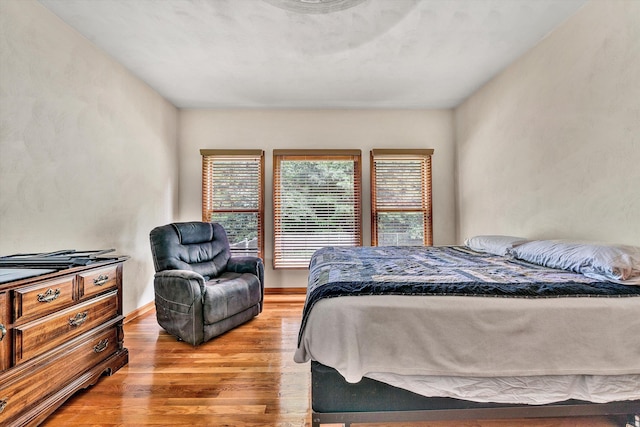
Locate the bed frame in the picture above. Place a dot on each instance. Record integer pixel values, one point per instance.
(335, 401)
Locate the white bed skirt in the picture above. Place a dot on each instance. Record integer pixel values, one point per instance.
(537, 390)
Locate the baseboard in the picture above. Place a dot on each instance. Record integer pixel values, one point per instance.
(285, 291)
(140, 311)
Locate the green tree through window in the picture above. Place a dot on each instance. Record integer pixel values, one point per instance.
(232, 195)
(316, 204)
(401, 197)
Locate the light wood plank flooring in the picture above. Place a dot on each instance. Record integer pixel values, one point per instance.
(245, 377)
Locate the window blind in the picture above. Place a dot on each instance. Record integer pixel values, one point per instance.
(401, 198)
(316, 203)
(232, 195)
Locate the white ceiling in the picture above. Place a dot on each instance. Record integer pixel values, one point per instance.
(286, 54)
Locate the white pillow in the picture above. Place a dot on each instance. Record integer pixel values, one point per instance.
(497, 245)
(616, 263)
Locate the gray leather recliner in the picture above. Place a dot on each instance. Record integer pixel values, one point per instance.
(200, 291)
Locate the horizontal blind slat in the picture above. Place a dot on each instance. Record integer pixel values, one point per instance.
(232, 195)
(401, 197)
(316, 204)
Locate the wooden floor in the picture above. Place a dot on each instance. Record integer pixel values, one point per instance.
(245, 377)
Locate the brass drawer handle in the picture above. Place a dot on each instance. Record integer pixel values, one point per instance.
(78, 319)
(3, 403)
(49, 295)
(3, 331)
(101, 346)
(101, 280)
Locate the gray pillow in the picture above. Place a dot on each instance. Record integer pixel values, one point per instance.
(615, 263)
(494, 244)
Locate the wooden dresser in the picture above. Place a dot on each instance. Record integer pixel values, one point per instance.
(60, 331)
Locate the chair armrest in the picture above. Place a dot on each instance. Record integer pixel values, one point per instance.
(178, 296)
(247, 264)
(179, 286)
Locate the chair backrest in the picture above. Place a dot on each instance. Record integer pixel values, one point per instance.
(202, 247)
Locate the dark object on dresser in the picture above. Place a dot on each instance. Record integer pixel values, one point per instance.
(200, 290)
(60, 331)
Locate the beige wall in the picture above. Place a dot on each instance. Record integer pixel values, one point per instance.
(88, 154)
(551, 147)
(275, 129)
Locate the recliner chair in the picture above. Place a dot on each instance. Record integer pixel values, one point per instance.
(200, 291)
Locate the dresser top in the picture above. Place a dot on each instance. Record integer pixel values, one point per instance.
(25, 272)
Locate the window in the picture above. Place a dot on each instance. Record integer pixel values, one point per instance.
(232, 195)
(316, 203)
(401, 198)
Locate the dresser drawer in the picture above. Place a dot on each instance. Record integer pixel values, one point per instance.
(95, 282)
(5, 332)
(38, 336)
(21, 392)
(44, 298)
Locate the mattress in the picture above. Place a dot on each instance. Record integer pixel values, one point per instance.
(557, 344)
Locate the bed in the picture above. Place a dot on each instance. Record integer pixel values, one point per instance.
(470, 332)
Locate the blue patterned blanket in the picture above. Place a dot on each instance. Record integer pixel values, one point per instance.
(442, 270)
